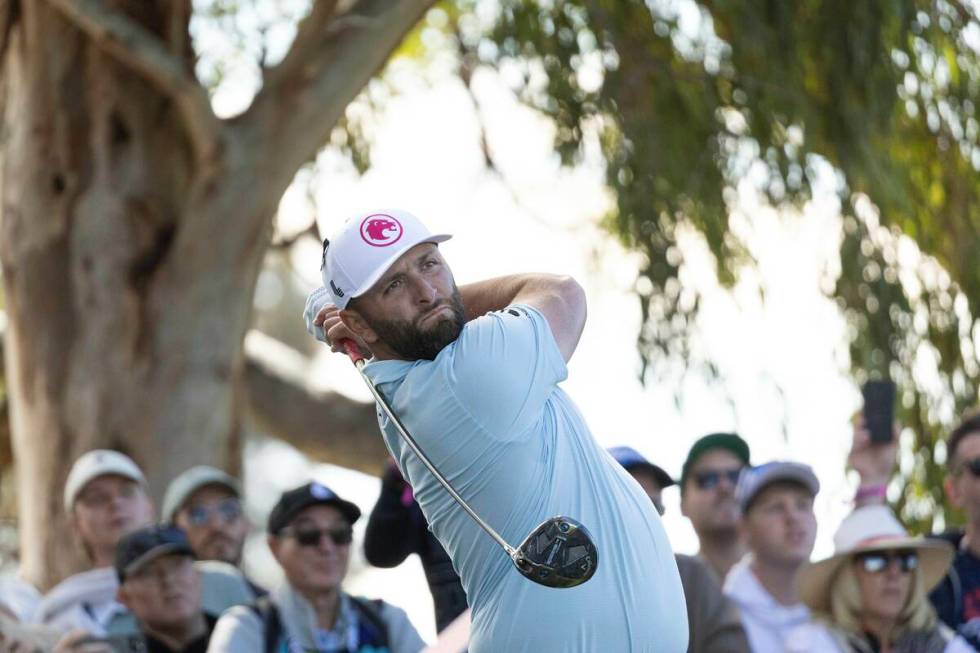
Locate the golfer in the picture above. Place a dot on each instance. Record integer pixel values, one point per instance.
(473, 373)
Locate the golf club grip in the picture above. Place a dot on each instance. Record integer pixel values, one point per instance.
(353, 351)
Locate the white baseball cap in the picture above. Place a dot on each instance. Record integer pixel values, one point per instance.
(96, 463)
(366, 247)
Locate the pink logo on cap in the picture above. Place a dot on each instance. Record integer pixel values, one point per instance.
(381, 230)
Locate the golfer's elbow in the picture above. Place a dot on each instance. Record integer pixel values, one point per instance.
(572, 296)
(567, 317)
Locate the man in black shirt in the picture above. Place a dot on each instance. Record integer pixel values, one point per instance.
(396, 529)
(161, 587)
(957, 597)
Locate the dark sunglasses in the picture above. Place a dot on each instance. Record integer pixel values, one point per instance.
(710, 478)
(973, 465)
(339, 535)
(878, 561)
(227, 510)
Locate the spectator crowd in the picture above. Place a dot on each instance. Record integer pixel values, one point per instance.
(177, 584)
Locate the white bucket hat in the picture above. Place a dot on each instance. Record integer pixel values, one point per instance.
(366, 247)
(871, 528)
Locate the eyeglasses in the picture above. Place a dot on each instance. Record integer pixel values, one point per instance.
(973, 465)
(710, 478)
(878, 561)
(339, 535)
(228, 510)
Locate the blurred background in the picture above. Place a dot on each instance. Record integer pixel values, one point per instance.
(767, 203)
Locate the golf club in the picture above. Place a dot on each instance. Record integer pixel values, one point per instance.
(560, 552)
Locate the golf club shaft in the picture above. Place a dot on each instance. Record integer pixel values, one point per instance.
(358, 359)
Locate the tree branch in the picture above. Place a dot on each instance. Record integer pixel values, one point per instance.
(325, 426)
(138, 48)
(305, 95)
(310, 31)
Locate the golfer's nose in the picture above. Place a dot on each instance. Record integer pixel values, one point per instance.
(425, 293)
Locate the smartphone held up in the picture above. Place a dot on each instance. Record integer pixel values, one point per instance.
(879, 409)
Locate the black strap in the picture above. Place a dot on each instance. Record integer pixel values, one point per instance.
(367, 609)
(370, 611)
(271, 623)
(958, 607)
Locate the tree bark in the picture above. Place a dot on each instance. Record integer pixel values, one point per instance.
(133, 228)
(325, 426)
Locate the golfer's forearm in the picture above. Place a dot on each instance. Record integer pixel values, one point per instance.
(559, 298)
(498, 293)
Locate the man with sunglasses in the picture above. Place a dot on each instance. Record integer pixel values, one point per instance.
(957, 597)
(310, 534)
(205, 503)
(713, 621)
(708, 479)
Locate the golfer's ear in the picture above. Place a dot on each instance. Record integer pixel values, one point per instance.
(358, 325)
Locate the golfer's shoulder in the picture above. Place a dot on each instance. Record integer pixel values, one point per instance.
(508, 341)
(515, 324)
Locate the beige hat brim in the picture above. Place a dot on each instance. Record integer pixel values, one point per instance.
(935, 557)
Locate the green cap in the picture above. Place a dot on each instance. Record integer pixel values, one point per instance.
(728, 441)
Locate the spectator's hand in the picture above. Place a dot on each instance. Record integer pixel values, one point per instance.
(81, 641)
(873, 461)
(328, 318)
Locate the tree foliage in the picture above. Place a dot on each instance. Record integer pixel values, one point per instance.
(692, 102)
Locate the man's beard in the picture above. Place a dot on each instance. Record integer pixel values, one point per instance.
(412, 343)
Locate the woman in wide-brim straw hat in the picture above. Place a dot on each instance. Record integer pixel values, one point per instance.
(871, 596)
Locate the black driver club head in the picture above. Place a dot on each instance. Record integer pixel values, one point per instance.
(558, 553)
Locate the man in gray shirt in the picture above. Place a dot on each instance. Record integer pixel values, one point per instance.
(310, 532)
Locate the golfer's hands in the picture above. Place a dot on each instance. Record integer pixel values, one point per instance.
(322, 320)
(873, 461)
(336, 332)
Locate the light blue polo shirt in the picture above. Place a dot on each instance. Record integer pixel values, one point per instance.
(489, 413)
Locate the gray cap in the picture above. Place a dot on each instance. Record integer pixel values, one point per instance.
(182, 487)
(754, 480)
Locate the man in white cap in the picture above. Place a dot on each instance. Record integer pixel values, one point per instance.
(205, 503)
(778, 527)
(105, 498)
(473, 372)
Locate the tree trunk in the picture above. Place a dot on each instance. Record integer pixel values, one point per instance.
(134, 224)
(97, 184)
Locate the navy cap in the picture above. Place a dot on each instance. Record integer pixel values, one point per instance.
(292, 502)
(632, 459)
(145, 545)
